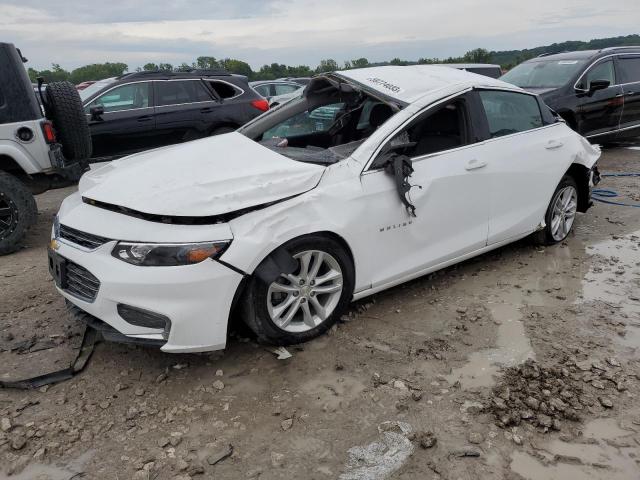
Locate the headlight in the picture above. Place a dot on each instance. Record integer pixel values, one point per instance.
(167, 254)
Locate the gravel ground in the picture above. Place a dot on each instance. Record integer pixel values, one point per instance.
(521, 363)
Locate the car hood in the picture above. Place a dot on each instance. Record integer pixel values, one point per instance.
(207, 177)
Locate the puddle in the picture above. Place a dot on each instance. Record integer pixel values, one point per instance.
(599, 460)
(615, 276)
(513, 347)
(39, 471)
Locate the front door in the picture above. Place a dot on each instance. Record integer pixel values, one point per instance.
(449, 194)
(629, 70)
(128, 122)
(599, 111)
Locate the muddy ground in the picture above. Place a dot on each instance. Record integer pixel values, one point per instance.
(423, 381)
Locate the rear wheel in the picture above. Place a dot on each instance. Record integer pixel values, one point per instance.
(18, 212)
(300, 306)
(561, 212)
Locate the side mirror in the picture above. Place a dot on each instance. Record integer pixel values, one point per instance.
(96, 113)
(390, 150)
(595, 85)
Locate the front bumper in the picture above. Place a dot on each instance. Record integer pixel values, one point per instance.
(196, 298)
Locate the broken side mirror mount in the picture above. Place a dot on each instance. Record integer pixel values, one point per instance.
(394, 148)
(96, 113)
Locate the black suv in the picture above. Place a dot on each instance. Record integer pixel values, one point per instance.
(597, 92)
(143, 110)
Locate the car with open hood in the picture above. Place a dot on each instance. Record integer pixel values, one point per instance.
(404, 171)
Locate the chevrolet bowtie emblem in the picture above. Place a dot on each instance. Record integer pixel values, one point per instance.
(53, 244)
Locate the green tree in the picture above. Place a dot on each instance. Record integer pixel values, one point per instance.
(165, 67)
(478, 55)
(359, 63)
(207, 63)
(239, 67)
(327, 65)
(150, 67)
(97, 71)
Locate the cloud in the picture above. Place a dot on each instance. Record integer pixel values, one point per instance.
(297, 31)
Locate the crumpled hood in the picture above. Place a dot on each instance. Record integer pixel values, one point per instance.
(212, 176)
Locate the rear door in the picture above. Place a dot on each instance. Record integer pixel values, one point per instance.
(527, 160)
(628, 67)
(599, 112)
(128, 122)
(182, 107)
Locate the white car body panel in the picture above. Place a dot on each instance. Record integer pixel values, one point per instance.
(472, 199)
(211, 176)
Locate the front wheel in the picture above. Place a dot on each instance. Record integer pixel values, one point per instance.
(561, 212)
(302, 305)
(18, 211)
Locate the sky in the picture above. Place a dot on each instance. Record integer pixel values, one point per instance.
(73, 33)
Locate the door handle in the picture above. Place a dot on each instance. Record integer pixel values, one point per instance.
(205, 110)
(145, 118)
(630, 93)
(475, 164)
(553, 144)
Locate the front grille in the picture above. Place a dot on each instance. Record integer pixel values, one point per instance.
(80, 282)
(86, 240)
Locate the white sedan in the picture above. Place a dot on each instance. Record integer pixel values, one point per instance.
(374, 177)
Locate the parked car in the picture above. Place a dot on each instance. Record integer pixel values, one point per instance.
(597, 92)
(487, 69)
(162, 247)
(37, 152)
(144, 110)
(304, 81)
(277, 91)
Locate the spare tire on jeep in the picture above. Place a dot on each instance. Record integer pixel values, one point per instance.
(64, 109)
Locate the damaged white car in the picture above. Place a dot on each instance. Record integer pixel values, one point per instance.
(373, 177)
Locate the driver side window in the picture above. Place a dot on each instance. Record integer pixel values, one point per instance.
(125, 97)
(602, 71)
(317, 120)
(442, 129)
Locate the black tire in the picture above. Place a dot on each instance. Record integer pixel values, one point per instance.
(544, 236)
(221, 130)
(18, 211)
(253, 307)
(64, 109)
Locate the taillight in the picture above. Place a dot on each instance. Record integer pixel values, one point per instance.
(49, 132)
(262, 104)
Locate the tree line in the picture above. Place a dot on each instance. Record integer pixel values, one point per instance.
(98, 71)
(506, 59)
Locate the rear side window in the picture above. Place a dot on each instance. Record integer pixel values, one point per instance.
(629, 69)
(179, 92)
(602, 71)
(264, 90)
(223, 89)
(510, 112)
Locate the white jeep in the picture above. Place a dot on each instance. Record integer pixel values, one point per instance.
(38, 150)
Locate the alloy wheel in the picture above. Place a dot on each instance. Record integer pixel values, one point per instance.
(301, 301)
(564, 213)
(8, 216)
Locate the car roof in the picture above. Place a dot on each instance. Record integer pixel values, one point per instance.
(409, 83)
(467, 65)
(163, 75)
